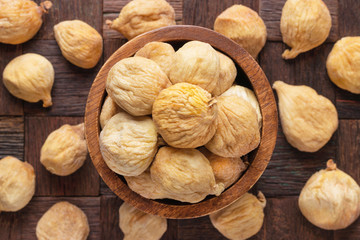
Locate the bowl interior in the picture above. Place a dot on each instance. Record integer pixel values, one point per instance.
(249, 75)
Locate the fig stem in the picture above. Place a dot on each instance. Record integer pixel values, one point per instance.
(330, 165)
(46, 6)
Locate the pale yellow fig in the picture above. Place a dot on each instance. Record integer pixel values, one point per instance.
(17, 184)
(308, 119)
(108, 110)
(196, 63)
(128, 144)
(64, 150)
(237, 131)
(244, 26)
(184, 115)
(140, 16)
(247, 95)
(63, 221)
(20, 20)
(330, 199)
(80, 43)
(185, 174)
(343, 64)
(227, 74)
(30, 77)
(305, 24)
(242, 219)
(134, 83)
(137, 225)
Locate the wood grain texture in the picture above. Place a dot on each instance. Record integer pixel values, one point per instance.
(12, 137)
(270, 12)
(347, 104)
(351, 232)
(10, 228)
(349, 18)
(109, 217)
(84, 182)
(111, 45)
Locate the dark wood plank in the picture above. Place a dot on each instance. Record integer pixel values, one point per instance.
(10, 105)
(111, 45)
(270, 12)
(347, 104)
(351, 232)
(39, 205)
(104, 189)
(84, 182)
(349, 18)
(199, 228)
(12, 137)
(10, 228)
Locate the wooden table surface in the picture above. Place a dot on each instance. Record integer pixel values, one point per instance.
(25, 126)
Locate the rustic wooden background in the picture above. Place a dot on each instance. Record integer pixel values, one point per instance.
(25, 126)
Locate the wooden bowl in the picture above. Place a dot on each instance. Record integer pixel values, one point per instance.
(259, 158)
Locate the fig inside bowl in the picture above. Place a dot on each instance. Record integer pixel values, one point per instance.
(249, 75)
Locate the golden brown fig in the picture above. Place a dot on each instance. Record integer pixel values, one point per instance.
(17, 184)
(140, 16)
(305, 24)
(330, 199)
(343, 64)
(237, 131)
(64, 150)
(108, 110)
(242, 219)
(227, 74)
(30, 77)
(185, 174)
(196, 63)
(134, 83)
(137, 225)
(80, 43)
(244, 26)
(308, 120)
(20, 20)
(184, 115)
(63, 221)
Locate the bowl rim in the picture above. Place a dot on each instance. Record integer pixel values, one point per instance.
(262, 154)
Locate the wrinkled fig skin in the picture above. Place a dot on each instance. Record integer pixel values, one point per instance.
(185, 115)
(305, 24)
(196, 63)
(330, 199)
(80, 43)
(30, 77)
(237, 131)
(137, 225)
(140, 16)
(128, 144)
(17, 184)
(20, 20)
(108, 110)
(247, 95)
(64, 150)
(134, 83)
(159, 52)
(343, 64)
(242, 219)
(63, 221)
(308, 119)
(244, 26)
(185, 174)
(227, 74)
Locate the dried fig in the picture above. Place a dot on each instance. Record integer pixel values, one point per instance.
(20, 20)
(64, 150)
(227, 74)
(134, 83)
(30, 77)
(196, 63)
(247, 95)
(80, 43)
(308, 120)
(137, 225)
(17, 184)
(108, 110)
(244, 26)
(305, 24)
(343, 64)
(237, 131)
(184, 115)
(63, 221)
(159, 52)
(185, 174)
(140, 16)
(128, 144)
(242, 219)
(330, 199)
